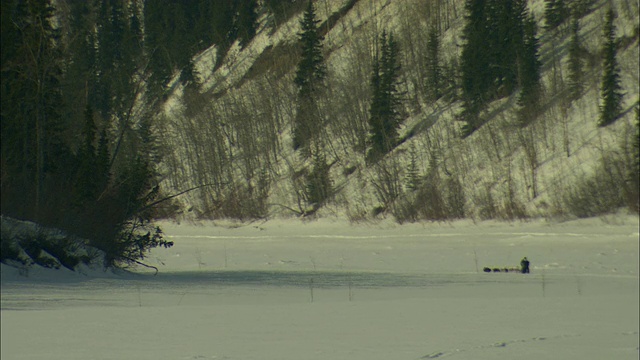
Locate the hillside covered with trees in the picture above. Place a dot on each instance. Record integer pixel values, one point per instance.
(119, 112)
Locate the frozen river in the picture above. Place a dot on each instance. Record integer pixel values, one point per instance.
(329, 290)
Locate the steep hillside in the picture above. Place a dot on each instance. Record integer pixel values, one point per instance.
(231, 139)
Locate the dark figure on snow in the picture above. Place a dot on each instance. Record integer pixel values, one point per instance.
(524, 266)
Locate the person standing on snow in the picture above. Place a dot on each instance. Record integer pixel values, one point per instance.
(524, 266)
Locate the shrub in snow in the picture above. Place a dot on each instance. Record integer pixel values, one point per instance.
(25, 244)
(599, 193)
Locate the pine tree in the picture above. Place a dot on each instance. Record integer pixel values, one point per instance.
(376, 108)
(180, 45)
(390, 81)
(530, 73)
(505, 19)
(103, 163)
(500, 54)
(87, 184)
(310, 75)
(549, 14)
(384, 113)
(156, 45)
(247, 21)
(80, 60)
(555, 13)
(134, 39)
(434, 69)
(109, 41)
(475, 63)
(582, 7)
(576, 73)
(311, 70)
(611, 90)
(189, 76)
(119, 48)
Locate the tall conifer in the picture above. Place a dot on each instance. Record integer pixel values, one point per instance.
(103, 162)
(384, 114)
(247, 21)
(475, 63)
(576, 72)
(555, 13)
(156, 46)
(611, 90)
(309, 79)
(434, 68)
(530, 72)
(86, 184)
(505, 20)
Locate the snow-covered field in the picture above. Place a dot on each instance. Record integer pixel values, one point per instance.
(330, 290)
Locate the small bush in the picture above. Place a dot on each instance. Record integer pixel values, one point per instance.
(349, 170)
(238, 201)
(387, 182)
(378, 210)
(132, 244)
(8, 251)
(318, 182)
(32, 244)
(405, 209)
(433, 200)
(455, 198)
(598, 194)
(28, 244)
(65, 251)
(485, 203)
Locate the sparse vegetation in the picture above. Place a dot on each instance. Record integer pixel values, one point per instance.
(598, 193)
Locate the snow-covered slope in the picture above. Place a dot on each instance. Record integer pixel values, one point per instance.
(505, 171)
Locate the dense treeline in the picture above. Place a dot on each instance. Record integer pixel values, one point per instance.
(176, 30)
(81, 86)
(80, 82)
(500, 55)
(75, 154)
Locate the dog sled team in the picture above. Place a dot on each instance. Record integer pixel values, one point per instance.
(524, 268)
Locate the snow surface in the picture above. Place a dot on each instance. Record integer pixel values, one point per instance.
(329, 290)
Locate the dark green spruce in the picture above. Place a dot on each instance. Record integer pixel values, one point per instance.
(384, 113)
(556, 13)
(475, 63)
(576, 62)
(435, 81)
(611, 89)
(530, 73)
(309, 80)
